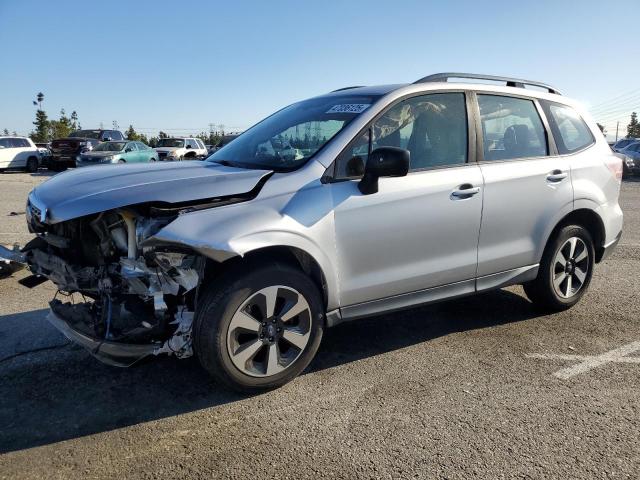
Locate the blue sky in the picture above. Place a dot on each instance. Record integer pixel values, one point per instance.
(179, 66)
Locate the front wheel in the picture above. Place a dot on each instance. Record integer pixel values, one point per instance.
(258, 329)
(565, 270)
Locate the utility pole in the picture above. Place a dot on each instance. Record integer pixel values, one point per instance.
(617, 126)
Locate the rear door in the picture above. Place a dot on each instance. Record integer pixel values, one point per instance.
(527, 186)
(21, 151)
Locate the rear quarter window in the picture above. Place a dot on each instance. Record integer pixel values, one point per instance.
(569, 129)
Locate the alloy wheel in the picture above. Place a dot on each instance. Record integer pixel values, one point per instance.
(570, 267)
(269, 331)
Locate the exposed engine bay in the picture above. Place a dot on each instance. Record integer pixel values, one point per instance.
(114, 292)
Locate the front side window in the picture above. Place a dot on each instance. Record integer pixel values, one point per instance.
(287, 139)
(192, 143)
(109, 147)
(171, 143)
(432, 127)
(569, 130)
(86, 134)
(511, 128)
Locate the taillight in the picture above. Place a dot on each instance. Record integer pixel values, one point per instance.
(614, 163)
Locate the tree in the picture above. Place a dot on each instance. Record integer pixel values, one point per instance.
(60, 128)
(131, 134)
(161, 134)
(41, 134)
(143, 138)
(75, 123)
(5, 131)
(633, 129)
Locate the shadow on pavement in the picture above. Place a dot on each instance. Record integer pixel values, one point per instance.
(62, 394)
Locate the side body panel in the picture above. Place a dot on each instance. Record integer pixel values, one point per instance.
(521, 208)
(411, 235)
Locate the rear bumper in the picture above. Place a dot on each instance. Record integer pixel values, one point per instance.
(63, 157)
(610, 247)
(111, 353)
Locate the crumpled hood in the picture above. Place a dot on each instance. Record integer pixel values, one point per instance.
(90, 190)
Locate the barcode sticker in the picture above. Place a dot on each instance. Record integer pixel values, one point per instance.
(349, 108)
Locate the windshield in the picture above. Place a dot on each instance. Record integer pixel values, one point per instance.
(86, 134)
(288, 138)
(110, 147)
(171, 142)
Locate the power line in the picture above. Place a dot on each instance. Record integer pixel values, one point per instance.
(611, 100)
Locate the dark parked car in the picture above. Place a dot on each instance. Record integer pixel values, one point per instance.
(66, 151)
(631, 160)
(622, 144)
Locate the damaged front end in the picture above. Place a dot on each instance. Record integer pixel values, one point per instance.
(119, 299)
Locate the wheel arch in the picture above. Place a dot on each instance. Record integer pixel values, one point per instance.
(591, 221)
(287, 254)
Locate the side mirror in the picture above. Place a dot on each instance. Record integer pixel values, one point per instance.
(128, 149)
(106, 139)
(188, 147)
(384, 162)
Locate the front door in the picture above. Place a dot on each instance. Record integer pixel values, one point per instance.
(418, 231)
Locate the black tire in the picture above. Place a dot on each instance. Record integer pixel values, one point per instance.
(542, 291)
(224, 297)
(32, 165)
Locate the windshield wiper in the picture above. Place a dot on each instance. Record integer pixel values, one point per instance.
(227, 163)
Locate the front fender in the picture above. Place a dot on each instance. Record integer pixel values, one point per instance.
(281, 221)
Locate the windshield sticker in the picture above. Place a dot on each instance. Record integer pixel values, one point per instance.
(349, 108)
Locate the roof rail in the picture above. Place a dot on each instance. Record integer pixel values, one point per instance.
(346, 88)
(510, 82)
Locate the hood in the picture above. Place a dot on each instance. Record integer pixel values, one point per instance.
(91, 190)
(167, 149)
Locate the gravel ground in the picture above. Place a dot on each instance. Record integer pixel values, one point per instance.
(444, 391)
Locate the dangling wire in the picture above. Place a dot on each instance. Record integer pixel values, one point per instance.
(108, 332)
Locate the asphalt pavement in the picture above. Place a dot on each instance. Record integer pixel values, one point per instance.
(482, 387)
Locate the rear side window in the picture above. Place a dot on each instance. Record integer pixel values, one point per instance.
(511, 128)
(569, 129)
(5, 143)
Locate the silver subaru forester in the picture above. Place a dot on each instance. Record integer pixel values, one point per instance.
(358, 202)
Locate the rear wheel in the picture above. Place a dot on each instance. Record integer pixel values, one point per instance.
(565, 271)
(259, 329)
(32, 165)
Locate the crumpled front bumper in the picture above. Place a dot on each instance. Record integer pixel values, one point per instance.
(111, 353)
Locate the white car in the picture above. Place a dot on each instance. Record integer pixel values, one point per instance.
(172, 149)
(18, 152)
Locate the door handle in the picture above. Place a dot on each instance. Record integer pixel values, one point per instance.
(465, 190)
(557, 176)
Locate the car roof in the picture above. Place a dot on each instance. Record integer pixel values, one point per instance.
(14, 136)
(471, 82)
